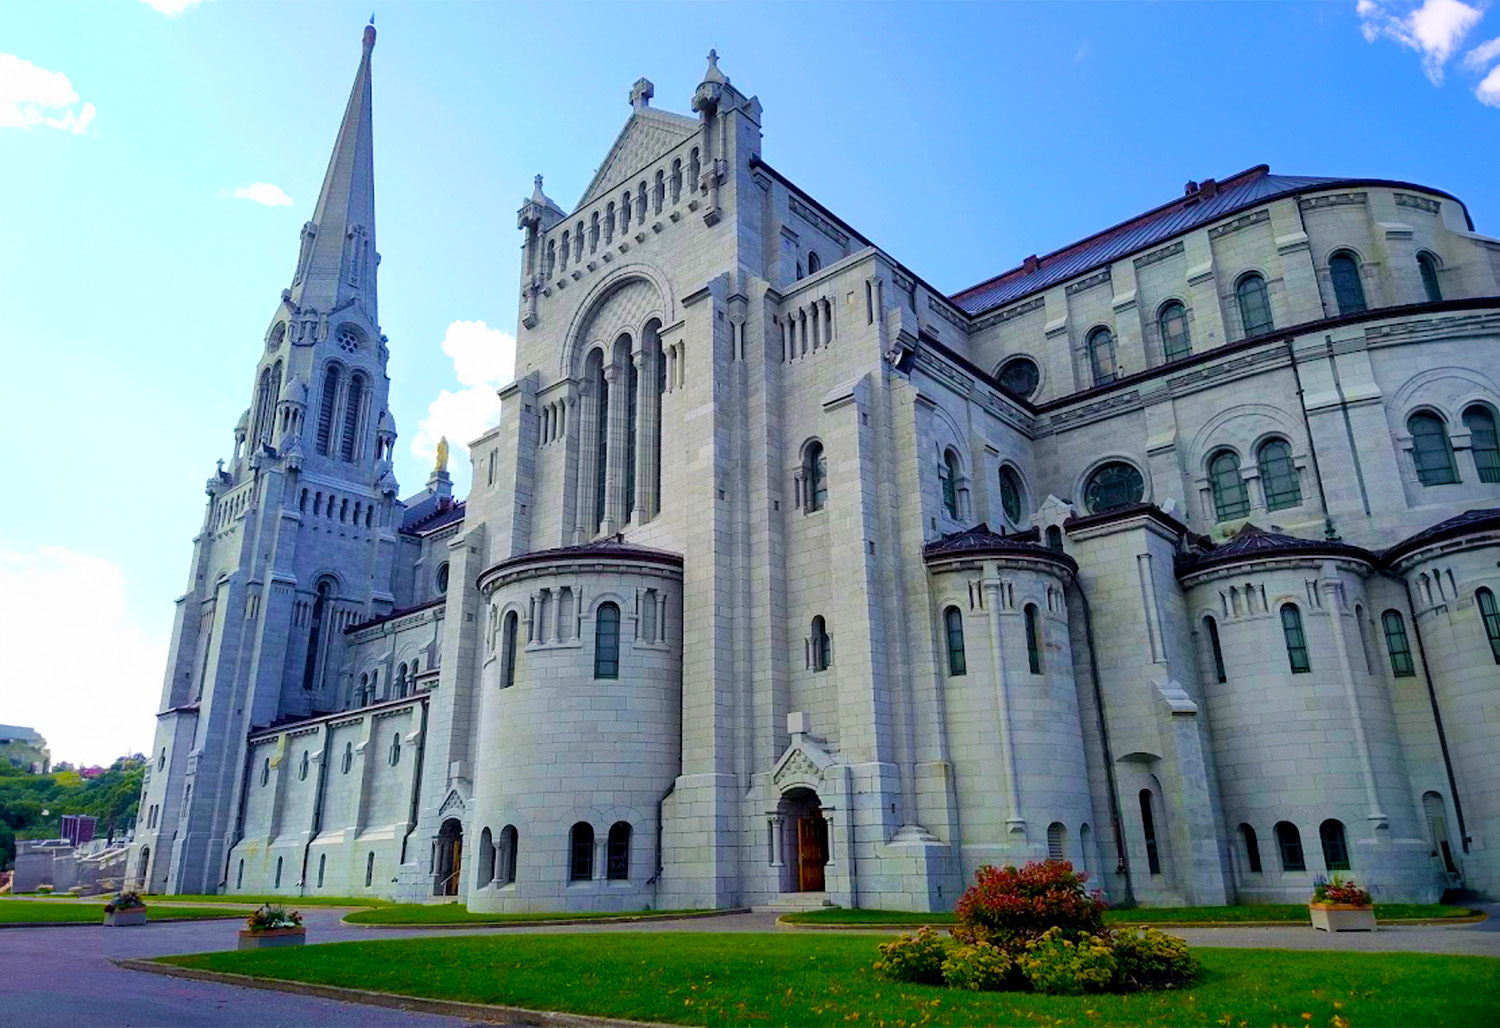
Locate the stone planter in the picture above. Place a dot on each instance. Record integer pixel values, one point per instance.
(1342, 917)
(125, 918)
(272, 937)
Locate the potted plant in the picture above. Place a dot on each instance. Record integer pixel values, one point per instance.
(272, 926)
(125, 910)
(1340, 905)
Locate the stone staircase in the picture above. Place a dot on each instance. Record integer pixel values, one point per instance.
(785, 902)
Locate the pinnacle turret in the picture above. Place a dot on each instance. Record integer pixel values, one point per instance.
(337, 262)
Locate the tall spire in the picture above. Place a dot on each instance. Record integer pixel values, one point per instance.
(338, 257)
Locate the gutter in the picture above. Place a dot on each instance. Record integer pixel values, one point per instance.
(1116, 822)
(1437, 716)
(416, 784)
(317, 823)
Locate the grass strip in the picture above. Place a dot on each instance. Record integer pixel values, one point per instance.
(93, 913)
(291, 902)
(457, 913)
(1141, 915)
(722, 978)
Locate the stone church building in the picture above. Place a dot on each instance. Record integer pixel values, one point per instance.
(787, 578)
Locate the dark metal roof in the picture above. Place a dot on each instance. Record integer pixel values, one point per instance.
(1249, 188)
(431, 515)
(1252, 543)
(604, 549)
(980, 541)
(1469, 521)
(1146, 508)
(393, 615)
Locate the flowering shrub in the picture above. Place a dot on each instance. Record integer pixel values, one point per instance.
(1009, 907)
(914, 958)
(1340, 890)
(1062, 966)
(1149, 959)
(269, 917)
(979, 967)
(125, 901)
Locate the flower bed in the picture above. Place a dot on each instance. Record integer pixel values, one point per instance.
(125, 911)
(1340, 905)
(1036, 928)
(272, 926)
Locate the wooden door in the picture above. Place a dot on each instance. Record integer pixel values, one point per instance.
(453, 870)
(810, 853)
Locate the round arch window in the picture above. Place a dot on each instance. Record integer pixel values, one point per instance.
(1011, 493)
(1112, 486)
(1019, 377)
(442, 578)
(348, 338)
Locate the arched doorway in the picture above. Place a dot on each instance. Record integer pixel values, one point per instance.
(447, 862)
(806, 841)
(145, 866)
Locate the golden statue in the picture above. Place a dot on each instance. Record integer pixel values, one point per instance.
(442, 454)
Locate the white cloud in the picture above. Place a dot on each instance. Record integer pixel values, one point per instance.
(1488, 91)
(264, 194)
(1435, 28)
(1479, 58)
(171, 8)
(92, 675)
(31, 96)
(484, 359)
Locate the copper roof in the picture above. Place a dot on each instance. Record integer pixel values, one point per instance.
(1251, 543)
(1469, 521)
(980, 541)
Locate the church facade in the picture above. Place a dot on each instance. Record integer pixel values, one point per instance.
(787, 578)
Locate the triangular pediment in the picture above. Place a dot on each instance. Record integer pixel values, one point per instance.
(454, 806)
(647, 135)
(802, 765)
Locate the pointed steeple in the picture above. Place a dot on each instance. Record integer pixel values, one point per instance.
(338, 257)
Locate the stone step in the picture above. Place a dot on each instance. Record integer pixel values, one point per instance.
(791, 901)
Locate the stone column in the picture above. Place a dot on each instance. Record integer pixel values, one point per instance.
(1333, 595)
(588, 466)
(645, 421)
(614, 469)
(777, 824)
(994, 590)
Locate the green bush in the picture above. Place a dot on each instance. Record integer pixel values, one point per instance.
(980, 967)
(1067, 967)
(1149, 959)
(914, 958)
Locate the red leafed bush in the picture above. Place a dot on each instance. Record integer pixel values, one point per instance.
(1009, 907)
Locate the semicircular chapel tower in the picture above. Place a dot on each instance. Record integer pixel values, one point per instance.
(787, 579)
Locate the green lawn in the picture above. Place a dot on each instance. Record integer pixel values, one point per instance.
(457, 913)
(714, 979)
(24, 912)
(294, 902)
(1138, 915)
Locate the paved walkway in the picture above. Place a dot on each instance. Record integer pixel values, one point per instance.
(63, 977)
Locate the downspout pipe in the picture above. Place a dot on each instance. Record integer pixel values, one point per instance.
(660, 810)
(416, 784)
(239, 817)
(1437, 716)
(1312, 446)
(317, 820)
(1117, 822)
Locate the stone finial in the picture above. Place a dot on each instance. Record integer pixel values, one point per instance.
(641, 93)
(714, 74)
(537, 196)
(369, 36)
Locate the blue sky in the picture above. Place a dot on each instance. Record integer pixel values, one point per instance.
(135, 285)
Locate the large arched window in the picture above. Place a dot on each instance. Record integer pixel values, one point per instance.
(617, 856)
(1255, 305)
(349, 441)
(1252, 848)
(1431, 451)
(1480, 421)
(1489, 614)
(1112, 486)
(508, 851)
(820, 646)
(1011, 493)
(509, 635)
(311, 667)
(1231, 499)
(1428, 266)
(1296, 639)
(1175, 341)
(607, 641)
(1019, 377)
(581, 852)
(1033, 640)
(1148, 827)
(326, 412)
(1348, 290)
(814, 477)
(950, 473)
(1335, 849)
(1101, 351)
(953, 627)
(1212, 628)
(1278, 475)
(486, 859)
(1397, 645)
(1289, 842)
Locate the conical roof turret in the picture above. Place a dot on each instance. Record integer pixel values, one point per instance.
(338, 257)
